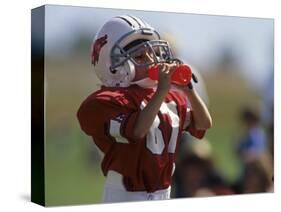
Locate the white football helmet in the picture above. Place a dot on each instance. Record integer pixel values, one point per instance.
(116, 45)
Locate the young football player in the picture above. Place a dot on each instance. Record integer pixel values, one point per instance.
(137, 122)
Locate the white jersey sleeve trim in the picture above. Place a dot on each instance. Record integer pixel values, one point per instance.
(114, 131)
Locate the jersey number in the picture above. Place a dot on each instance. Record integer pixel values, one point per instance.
(154, 139)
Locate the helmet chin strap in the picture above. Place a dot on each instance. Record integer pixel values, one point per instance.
(145, 83)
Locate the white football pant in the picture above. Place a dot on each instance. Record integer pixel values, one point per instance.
(114, 191)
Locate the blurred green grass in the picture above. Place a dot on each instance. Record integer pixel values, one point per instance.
(228, 93)
(71, 177)
(73, 174)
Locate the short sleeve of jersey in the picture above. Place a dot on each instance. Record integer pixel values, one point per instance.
(190, 126)
(121, 127)
(107, 119)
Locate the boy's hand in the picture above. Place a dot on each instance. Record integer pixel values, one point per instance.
(189, 86)
(164, 75)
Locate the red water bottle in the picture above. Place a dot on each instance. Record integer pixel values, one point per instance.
(181, 76)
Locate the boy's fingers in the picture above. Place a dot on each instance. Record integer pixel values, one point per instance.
(172, 68)
(162, 67)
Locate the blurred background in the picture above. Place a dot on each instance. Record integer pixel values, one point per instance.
(233, 57)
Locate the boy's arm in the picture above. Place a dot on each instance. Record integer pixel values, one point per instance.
(148, 114)
(201, 116)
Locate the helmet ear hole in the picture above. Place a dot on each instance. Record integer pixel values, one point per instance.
(113, 71)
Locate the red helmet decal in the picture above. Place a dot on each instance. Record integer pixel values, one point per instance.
(99, 43)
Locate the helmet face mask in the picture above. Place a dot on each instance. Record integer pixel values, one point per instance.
(142, 55)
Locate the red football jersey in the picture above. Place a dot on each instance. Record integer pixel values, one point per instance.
(109, 115)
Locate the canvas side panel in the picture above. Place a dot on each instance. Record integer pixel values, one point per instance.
(37, 106)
